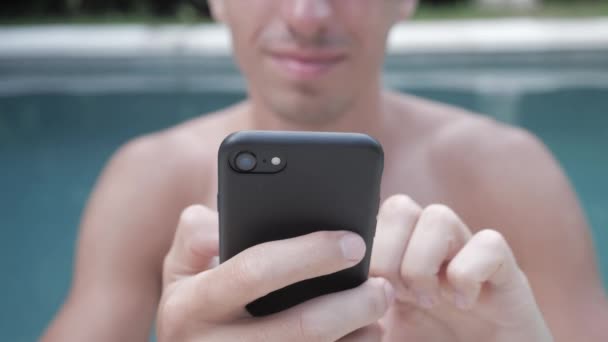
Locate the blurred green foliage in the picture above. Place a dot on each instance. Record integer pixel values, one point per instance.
(163, 8)
(161, 11)
(67, 8)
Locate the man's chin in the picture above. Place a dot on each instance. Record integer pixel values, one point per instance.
(308, 113)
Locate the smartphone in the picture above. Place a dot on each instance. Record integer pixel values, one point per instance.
(279, 185)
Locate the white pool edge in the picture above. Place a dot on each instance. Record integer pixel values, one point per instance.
(470, 36)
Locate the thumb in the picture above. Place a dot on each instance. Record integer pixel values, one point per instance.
(195, 245)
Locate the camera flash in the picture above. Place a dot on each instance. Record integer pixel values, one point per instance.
(276, 161)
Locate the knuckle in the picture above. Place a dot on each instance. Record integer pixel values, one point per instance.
(308, 327)
(492, 239)
(413, 274)
(170, 319)
(375, 302)
(373, 333)
(256, 335)
(401, 205)
(439, 213)
(210, 290)
(369, 333)
(166, 267)
(190, 213)
(248, 271)
(195, 215)
(458, 273)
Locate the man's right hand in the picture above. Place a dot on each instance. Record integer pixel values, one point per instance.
(205, 302)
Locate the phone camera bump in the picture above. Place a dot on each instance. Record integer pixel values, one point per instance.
(245, 161)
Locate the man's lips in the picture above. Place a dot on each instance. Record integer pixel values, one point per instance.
(307, 64)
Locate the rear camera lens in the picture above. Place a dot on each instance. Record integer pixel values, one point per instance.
(245, 161)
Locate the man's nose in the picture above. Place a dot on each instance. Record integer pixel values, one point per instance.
(307, 18)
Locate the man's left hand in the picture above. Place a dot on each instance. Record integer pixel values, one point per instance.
(451, 285)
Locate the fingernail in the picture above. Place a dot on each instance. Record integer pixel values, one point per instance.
(353, 247)
(426, 301)
(389, 292)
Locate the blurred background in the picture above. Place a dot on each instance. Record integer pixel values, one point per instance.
(53, 11)
(78, 78)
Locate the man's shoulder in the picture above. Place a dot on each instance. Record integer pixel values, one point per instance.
(488, 170)
(461, 137)
(197, 139)
(473, 151)
(470, 138)
(176, 155)
(451, 131)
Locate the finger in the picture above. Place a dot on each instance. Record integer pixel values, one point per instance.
(257, 271)
(195, 245)
(331, 317)
(486, 258)
(437, 237)
(371, 333)
(396, 221)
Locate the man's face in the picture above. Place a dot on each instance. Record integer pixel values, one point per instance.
(310, 60)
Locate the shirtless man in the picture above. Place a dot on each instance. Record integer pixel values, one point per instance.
(439, 272)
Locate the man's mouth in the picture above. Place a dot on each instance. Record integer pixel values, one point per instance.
(306, 65)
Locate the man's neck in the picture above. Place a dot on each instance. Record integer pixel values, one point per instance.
(367, 116)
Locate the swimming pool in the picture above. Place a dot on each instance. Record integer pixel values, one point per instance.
(61, 118)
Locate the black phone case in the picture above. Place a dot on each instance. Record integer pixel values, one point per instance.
(330, 181)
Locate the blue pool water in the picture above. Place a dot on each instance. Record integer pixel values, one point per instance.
(60, 120)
